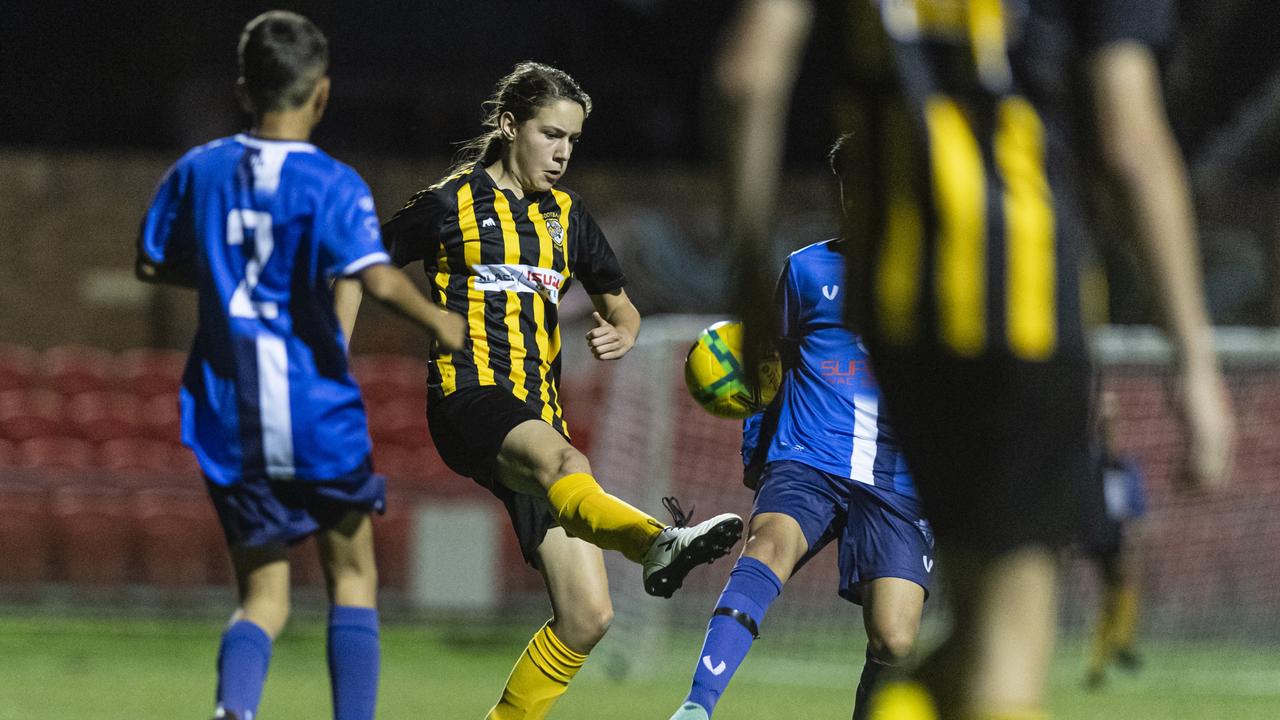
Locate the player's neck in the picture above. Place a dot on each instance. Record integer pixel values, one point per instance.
(292, 125)
(505, 177)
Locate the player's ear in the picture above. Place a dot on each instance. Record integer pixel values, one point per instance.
(320, 96)
(242, 96)
(507, 126)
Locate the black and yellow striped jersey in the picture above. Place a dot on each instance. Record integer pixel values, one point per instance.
(967, 235)
(503, 262)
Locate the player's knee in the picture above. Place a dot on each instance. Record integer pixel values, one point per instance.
(353, 584)
(892, 645)
(585, 626)
(270, 614)
(774, 549)
(565, 461)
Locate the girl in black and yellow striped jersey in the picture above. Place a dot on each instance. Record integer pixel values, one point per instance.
(501, 243)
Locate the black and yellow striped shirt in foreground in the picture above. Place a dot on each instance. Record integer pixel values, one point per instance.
(503, 262)
(965, 219)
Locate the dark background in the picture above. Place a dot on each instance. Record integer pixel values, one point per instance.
(409, 78)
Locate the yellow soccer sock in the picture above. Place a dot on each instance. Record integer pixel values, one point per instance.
(539, 678)
(1124, 623)
(1104, 634)
(585, 510)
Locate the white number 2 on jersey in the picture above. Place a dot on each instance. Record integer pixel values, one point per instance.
(263, 243)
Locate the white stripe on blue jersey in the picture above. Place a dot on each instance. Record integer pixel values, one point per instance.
(827, 412)
(265, 226)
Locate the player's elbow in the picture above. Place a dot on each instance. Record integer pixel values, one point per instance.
(382, 282)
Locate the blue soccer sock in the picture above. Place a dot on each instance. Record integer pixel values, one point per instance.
(243, 658)
(736, 620)
(353, 661)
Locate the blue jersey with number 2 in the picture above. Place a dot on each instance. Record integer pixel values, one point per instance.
(264, 227)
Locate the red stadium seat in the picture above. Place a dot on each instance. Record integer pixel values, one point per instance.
(161, 418)
(402, 464)
(391, 541)
(93, 534)
(25, 546)
(26, 414)
(17, 367)
(98, 417)
(72, 369)
(55, 453)
(400, 422)
(179, 538)
(139, 455)
(389, 377)
(148, 372)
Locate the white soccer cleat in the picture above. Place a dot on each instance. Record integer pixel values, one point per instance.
(677, 550)
(691, 711)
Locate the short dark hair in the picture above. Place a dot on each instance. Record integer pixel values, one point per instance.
(282, 56)
(837, 156)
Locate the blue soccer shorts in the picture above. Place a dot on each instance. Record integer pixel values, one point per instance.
(880, 533)
(256, 512)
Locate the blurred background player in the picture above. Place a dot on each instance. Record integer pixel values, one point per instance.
(825, 467)
(1114, 499)
(260, 224)
(500, 244)
(964, 258)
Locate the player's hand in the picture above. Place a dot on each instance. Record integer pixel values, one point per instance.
(608, 342)
(450, 331)
(1206, 414)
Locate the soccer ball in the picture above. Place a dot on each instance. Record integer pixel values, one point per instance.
(714, 375)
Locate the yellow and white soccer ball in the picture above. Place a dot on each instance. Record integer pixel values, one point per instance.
(715, 377)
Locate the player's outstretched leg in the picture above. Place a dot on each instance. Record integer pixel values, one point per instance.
(576, 581)
(734, 625)
(681, 547)
(775, 545)
(262, 578)
(354, 649)
(535, 458)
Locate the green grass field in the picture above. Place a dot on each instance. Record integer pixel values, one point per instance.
(127, 668)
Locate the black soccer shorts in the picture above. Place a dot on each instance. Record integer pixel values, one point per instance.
(998, 447)
(468, 428)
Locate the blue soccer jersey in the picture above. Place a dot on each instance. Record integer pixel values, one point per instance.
(827, 412)
(262, 227)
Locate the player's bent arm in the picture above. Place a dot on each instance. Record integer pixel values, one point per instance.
(1139, 149)
(617, 325)
(392, 288)
(347, 294)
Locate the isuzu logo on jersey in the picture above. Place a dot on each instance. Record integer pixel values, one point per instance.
(520, 278)
(557, 231)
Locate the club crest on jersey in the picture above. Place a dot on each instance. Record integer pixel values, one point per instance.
(556, 230)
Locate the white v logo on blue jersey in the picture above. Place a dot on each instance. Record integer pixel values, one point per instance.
(830, 291)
